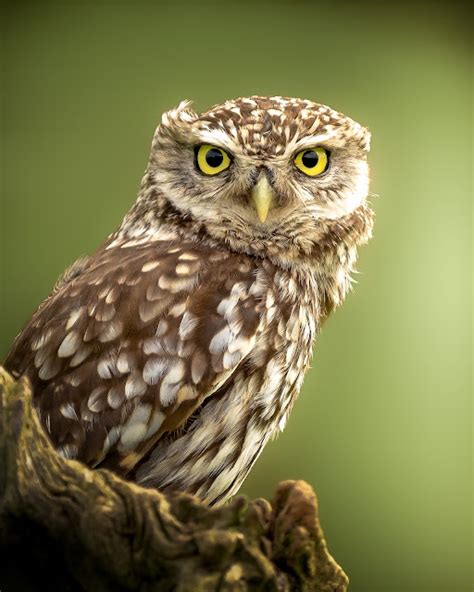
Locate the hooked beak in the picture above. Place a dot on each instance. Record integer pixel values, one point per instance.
(263, 196)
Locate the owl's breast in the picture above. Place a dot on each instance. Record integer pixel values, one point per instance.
(291, 324)
(225, 437)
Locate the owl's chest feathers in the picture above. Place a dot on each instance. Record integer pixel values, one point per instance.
(225, 438)
(297, 302)
(283, 350)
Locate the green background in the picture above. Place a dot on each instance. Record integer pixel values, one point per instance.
(382, 428)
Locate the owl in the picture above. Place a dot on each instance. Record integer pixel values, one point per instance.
(176, 351)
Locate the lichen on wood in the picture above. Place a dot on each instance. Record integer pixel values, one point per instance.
(66, 527)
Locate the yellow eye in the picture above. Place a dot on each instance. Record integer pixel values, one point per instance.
(212, 160)
(312, 161)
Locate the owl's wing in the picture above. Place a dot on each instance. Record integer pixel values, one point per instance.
(127, 349)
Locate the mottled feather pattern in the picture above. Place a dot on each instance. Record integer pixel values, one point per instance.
(134, 330)
(133, 346)
(272, 124)
(177, 350)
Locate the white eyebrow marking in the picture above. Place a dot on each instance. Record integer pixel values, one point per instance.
(216, 137)
(310, 141)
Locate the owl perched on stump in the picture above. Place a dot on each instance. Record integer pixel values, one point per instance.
(176, 351)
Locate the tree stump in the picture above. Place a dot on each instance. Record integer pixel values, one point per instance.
(66, 527)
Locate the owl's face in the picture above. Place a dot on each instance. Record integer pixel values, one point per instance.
(258, 169)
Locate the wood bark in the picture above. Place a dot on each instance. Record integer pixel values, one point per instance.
(66, 527)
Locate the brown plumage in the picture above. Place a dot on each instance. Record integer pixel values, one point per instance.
(176, 351)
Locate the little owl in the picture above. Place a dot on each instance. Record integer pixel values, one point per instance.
(176, 351)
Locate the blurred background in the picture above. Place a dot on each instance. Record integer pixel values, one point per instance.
(382, 428)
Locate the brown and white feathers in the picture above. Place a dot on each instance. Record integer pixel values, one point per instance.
(175, 352)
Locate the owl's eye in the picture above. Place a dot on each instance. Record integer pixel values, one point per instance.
(211, 160)
(313, 161)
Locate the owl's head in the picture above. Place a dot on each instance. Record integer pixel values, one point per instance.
(263, 175)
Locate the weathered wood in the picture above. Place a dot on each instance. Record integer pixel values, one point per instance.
(66, 527)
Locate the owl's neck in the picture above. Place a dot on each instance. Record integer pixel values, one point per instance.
(331, 249)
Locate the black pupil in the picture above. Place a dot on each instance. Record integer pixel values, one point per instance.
(214, 158)
(310, 159)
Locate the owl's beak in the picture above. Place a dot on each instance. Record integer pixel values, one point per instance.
(262, 196)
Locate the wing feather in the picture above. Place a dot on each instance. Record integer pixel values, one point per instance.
(129, 346)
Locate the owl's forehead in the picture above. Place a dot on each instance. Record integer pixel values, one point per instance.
(267, 126)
